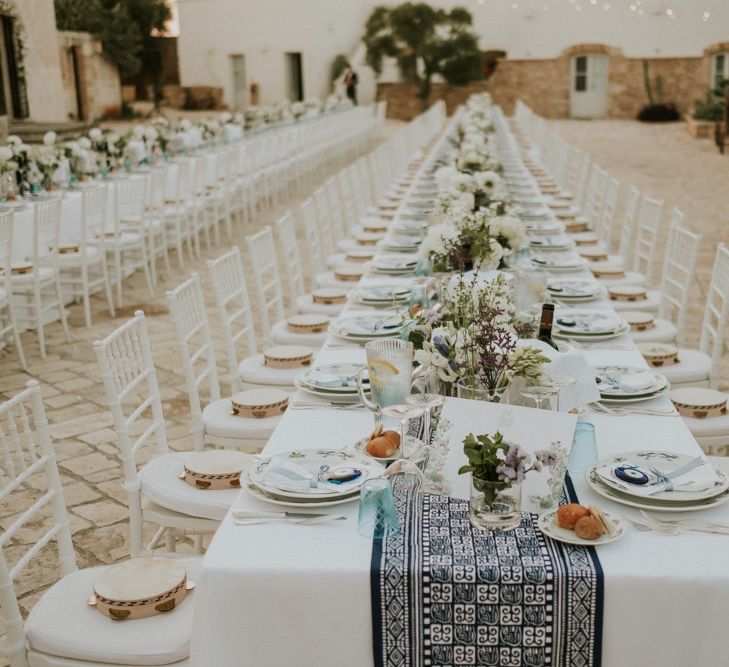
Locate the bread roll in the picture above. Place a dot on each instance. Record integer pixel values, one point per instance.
(382, 447)
(589, 528)
(568, 515)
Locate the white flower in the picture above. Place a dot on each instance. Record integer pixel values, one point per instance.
(49, 138)
(225, 117)
(437, 239)
(185, 124)
(150, 134)
(14, 139)
(96, 135)
(84, 143)
(5, 154)
(112, 138)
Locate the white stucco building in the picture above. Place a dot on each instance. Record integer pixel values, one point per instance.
(237, 43)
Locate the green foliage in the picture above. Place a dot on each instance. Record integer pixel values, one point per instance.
(424, 41)
(482, 454)
(125, 27)
(712, 107)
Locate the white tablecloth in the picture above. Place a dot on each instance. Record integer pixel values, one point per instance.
(279, 595)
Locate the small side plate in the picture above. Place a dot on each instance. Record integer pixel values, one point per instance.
(548, 525)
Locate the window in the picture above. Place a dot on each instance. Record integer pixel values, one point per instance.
(580, 74)
(720, 69)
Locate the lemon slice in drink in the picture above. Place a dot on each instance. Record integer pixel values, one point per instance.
(382, 371)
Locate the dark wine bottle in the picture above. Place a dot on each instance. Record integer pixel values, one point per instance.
(545, 325)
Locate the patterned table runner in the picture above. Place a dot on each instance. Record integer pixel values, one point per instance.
(445, 593)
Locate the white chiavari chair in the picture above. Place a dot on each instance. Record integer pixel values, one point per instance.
(62, 630)
(212, 422)
(8, 326)
(649, 225)
(155, 493)
(179, 211)
(236, 322)
(700, 367)
(126, 241)
(324, 221)
(83, 269)
(678, 276)
(267, 280)
(294, 274)
(38, 291)
(627, 230)
(154, 220)
(200, 219)
(607, 217)
(311, 239)
(335, 209)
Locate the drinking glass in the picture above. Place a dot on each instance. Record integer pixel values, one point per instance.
(560, 382)
(377, 512)
(390, 370)
(583, 454)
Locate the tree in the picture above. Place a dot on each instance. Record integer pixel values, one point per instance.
(424, 41)
(126, 28)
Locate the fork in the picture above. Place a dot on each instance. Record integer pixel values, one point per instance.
(700, 526)
(621, 412)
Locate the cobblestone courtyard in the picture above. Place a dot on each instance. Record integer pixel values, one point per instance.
(662, 161)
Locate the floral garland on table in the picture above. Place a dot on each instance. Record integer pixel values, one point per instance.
(54, 164)
(472, 225)
(473, 339)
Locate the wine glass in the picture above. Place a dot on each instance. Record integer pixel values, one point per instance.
(539, 393)
(427, 384)
(560, 382)
(404, 413)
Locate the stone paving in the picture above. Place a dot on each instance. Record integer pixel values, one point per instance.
(660, 160)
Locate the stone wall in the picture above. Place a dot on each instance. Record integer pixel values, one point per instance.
(99, 83)
(545, 84)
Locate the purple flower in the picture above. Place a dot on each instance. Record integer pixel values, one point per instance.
(545, 457)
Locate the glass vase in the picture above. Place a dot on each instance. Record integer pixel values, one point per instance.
(479, 393)
(494, 506)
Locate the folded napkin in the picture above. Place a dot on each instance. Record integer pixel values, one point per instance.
(572, 363)
(330, 380)
(698, 479)
(287, 476)
(637, 381)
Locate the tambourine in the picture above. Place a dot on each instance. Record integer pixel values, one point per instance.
(214, 469)
(308, 323)
(140, 588)
(259, 403)
(287, 356)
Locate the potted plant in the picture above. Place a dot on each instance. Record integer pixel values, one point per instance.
(497, 470)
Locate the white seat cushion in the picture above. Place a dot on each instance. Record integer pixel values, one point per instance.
(62, 624)
(21, 279)
(282, 336)
(649, 304)
(327, 279)
(90, 252)
(692, 367)
(161, 484)
(631, 278)
(305, 304)
(124, 239)
(220, 422)
(662, 331)
(709, 427)
(253, 371)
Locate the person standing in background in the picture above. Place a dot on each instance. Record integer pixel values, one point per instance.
(350, 83)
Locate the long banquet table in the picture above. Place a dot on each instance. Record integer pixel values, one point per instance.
(279, 594)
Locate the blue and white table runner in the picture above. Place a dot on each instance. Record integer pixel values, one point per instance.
(445, 593)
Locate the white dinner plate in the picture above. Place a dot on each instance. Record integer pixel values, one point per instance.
(316, 379)
(267, 498)
(665, 462)
(612, 376)
(548, 525)
(312, 459)
(588, 322)
(595, 483)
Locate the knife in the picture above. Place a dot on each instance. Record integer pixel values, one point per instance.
(253, 514)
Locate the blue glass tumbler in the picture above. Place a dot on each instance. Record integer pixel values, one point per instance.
(377, 512)
(583, 454)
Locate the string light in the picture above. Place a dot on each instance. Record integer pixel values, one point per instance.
(635, 7)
